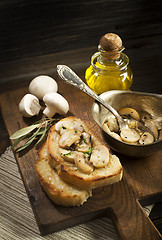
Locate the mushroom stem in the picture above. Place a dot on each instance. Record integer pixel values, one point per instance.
(49, 112)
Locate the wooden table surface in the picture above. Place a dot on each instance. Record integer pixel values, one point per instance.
(37, 36)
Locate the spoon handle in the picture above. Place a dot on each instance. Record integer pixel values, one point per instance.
(70, 77)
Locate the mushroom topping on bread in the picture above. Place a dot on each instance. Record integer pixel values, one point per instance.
(100, 156)
(41, 85)
(84, 143)
(55, 103)
(88, 169)
(77, 147)
(67, 154)
(69, 137)
(81, 161)
(64, 125)
(29, 106)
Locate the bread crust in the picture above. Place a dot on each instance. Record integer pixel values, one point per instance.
(58, 191)
(67, 171)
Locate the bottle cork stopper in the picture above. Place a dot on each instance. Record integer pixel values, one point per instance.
(111, 44)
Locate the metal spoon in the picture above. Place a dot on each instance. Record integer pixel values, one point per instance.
(70, 77)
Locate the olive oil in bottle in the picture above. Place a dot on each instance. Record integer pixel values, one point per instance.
(109, 69)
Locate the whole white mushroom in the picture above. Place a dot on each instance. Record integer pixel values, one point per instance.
(41, 85)
(29, 105)
(55, 103)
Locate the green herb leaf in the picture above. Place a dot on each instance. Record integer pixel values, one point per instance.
(85, 141)
(39, 129)
(66, 154)
(17, 142)
(30, 140)
(89, 151)
(43, 133)
(24, 131)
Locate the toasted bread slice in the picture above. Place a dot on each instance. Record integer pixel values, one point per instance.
(57, 190)
(69, 170)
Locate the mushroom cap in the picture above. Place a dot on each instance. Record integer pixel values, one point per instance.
(41, 85)
(56, 102)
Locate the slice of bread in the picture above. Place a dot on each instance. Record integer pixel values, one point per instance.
(57, 190)
(69, 170)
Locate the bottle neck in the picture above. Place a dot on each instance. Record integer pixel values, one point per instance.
(110, 55)
(101, 64)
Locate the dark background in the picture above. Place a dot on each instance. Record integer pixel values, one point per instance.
(31, 28)
(37, 28)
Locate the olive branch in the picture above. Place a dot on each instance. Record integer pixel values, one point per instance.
(37, 130)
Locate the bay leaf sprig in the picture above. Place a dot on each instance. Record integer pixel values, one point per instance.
(37, 131)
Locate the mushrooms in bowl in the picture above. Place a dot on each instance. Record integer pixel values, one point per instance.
(141, 109)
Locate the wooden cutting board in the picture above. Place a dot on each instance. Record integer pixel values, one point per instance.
(141, 183)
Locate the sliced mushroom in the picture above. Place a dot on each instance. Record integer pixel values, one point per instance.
(129, 135)
(158, 122)
(160, 135)
(129, 112)
(100, 156)
(85, 143)
(68, 155)
(113, 124)
(139, 128)
(116, 136)
(146, 138)
(145, 116)
(113, 134)
(153, 128)
(63, 129)
(63, 126)
(76, 125)
(69, 137)
(82, 164)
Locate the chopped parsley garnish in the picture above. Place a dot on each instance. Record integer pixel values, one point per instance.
(76, 131)
(89, 151)
(85, 141)
(67, 154)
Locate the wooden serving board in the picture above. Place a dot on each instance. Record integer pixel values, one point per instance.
(141, 183)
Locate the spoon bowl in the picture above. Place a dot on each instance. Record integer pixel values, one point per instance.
(144, 103)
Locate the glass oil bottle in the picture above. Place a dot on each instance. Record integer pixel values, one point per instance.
(109, 69)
